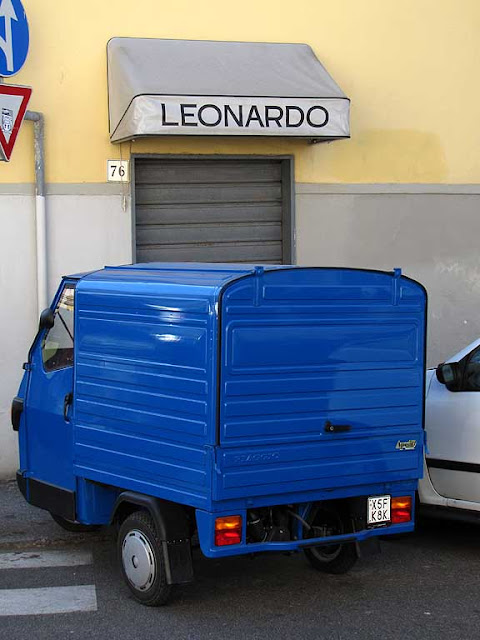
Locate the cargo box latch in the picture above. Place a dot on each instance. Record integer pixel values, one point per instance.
(336, 428)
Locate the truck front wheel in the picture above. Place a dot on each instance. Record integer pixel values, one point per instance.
(141, 560)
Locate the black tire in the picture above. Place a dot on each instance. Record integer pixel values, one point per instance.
(336, 559)
(141, 560)
(74, 527)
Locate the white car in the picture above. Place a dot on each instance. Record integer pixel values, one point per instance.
(451, 483)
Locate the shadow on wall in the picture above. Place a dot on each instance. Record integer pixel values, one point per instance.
(457, 304)
(401, 155)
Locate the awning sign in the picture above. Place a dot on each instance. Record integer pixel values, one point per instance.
(13, 104)
(206, 88)
(234, 116)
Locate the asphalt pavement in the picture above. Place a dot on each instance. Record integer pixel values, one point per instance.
(59, 585)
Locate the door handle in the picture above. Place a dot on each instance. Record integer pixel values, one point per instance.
(67, 401)
(336, 428)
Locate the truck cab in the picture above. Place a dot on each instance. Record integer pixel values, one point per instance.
(260, 408)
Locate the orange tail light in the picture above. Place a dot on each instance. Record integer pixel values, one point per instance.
(228, 530)
(401, 509)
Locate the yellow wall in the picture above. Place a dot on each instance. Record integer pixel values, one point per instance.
(410, 69)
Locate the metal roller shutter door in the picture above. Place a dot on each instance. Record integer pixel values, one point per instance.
(212, 210)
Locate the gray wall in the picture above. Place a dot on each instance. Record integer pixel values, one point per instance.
(431, 231)
(88, 227)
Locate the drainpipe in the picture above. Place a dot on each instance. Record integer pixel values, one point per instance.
(40, 210)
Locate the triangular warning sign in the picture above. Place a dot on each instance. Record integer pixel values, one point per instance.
(13, 104)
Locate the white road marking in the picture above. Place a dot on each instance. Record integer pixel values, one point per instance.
(43, 559)
(30, 602)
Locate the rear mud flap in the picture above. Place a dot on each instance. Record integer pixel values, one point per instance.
(368, 547)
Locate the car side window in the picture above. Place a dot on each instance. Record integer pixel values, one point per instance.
(471, 376)
(57, 345)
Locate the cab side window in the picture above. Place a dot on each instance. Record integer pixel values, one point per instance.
(57, 345)
(471, 378)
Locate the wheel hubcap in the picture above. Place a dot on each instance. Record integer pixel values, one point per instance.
(138, 560)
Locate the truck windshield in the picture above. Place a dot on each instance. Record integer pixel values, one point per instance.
(57, 346)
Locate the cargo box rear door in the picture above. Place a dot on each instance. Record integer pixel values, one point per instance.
(321, 381)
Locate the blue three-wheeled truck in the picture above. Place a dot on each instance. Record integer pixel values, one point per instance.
(256, 408)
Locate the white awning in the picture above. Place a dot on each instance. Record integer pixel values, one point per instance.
(193, 87)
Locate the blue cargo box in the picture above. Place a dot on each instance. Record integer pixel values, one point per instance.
(229, 388)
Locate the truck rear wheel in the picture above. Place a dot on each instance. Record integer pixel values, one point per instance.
(141, 560)
(336, 559)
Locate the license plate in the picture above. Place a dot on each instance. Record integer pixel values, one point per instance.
(378, 510)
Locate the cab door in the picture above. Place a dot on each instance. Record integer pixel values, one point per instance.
(48, 411)
(453, 433)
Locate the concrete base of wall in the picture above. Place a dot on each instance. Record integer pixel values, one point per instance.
(431, 231)
(85, 232)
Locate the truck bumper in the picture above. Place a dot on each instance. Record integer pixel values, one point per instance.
(206, 535)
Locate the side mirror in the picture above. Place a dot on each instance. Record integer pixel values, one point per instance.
(449, 375)
(47, 319)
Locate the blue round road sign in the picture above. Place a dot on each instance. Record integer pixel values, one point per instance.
(14, 37)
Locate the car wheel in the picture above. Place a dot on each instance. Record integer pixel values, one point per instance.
(141, 560)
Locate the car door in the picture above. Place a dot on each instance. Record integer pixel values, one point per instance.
(453, 433)
(48, 404)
